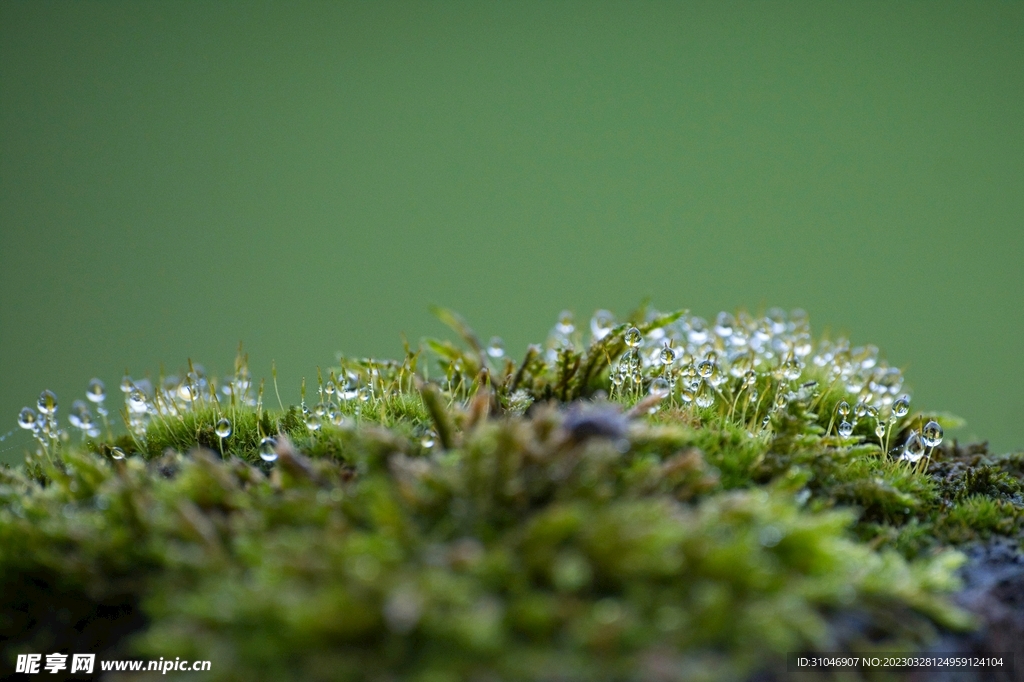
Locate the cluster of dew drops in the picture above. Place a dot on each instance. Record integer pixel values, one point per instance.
(174, 396)
(699, 364)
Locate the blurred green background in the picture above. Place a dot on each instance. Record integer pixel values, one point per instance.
(177, 177)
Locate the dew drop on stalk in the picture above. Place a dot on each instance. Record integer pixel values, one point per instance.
(601, 324)
(845, 429)
(27, 419)
(565, 323)
(668, 355)
(843, 409)
(725, 324)
(749, 378)
(186, 391)
(880, 429)
(334, 414)
(96, 392)
(127, 384)
(137, 401)
(632, 337)
(47, 403)
(330, 387)
(312, 421)
(496, 348)
(268, 449)
(901, 407)
(791, 369)
(931, 434)
(698, 333)
(659, 386)
(705, 396)
(913, 450)
(76, 413)
(117, 453)
(687, 395)
(706, 369)
(223, 427)
(860, 410)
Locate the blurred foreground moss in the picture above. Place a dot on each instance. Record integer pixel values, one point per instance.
(505, 521)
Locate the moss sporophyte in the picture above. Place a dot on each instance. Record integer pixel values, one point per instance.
(661, 498)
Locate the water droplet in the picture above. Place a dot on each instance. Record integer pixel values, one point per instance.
(633, 361)
(334, 414)
(601, 324)
(802, 346)
(705, 396)
(127, 384)
(428, 440)
(268, 449)
(880, 429)
(860, 410)
(791, 369)
(781, 401)
(496, 348)
(117, 453)
(698, 332)
(187, 392)
(565, 323)
(79, 414)
(724, 324)
(659, 386)
(706, 369)
(845, 429)
(687, 395)
(901, 407)
(766, 421)
(97, 392)
(137, 402)
(749, 378)
(632, 337)
(668, 355)
(931, 434)
(27, 419)
(843, 409)
(47, 403)
(223, 427)
(312, 421)
(914, 448)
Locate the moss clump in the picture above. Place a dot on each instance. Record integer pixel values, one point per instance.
(586, 513)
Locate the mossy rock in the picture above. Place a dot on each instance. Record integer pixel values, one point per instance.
(556, 518)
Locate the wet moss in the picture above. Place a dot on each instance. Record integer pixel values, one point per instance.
(498, 520)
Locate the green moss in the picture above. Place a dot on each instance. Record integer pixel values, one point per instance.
(469, 525)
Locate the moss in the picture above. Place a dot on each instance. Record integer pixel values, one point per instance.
(501, 519)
